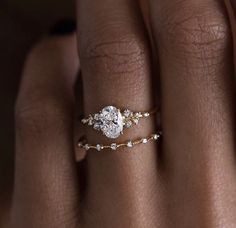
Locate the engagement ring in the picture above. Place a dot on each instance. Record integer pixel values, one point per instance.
(111, 121)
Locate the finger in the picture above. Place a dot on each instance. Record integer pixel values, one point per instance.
(231, 9)
(115, 64)
(197, 110)
(46, 193)
(144, 6)
(80, 153)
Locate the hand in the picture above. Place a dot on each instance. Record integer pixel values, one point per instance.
(187, 182)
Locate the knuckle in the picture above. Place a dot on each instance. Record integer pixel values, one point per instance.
(39, 105)
(118, 56)
(49, 48)
(201, 33)
(37, 113)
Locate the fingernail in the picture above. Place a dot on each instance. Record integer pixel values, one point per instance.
(63, 27)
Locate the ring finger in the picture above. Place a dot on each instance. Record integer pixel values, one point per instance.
(115, 64)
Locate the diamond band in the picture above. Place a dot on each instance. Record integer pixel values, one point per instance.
(115, 146)
(112, 121)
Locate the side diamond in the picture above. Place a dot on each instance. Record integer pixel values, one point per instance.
(127, 113)
(136, 121)
(80, 144)
(113, 146)
(84, 121)
(156, 137)
(90, 121)
(144, 141)
(86, 146)
(99, 147)
(129, 144)
(128, 124)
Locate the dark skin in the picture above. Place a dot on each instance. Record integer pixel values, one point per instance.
(189, 179)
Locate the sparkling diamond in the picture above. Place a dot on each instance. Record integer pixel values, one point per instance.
(144, 141)
(156, 136)
(86, 146)
(129, 144)
(80, 144)
(113, 146)
(97, 122)
(127, 113)
(96, 116)
(99, 147)
(97, 125)
(84, 121)
(90, 121)
(136, 121)
(128, 124)
(110, 122)
(146, 114)
(138, 115)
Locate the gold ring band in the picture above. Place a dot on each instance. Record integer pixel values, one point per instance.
(114, 146)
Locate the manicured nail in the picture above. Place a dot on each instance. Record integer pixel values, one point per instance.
(63, 27)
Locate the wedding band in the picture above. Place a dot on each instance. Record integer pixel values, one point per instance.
(112, 121)
(114, 146)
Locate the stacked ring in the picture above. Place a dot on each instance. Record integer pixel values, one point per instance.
(111, 121)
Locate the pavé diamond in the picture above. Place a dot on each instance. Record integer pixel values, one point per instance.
(110, 122)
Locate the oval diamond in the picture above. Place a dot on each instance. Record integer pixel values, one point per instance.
(110, 121)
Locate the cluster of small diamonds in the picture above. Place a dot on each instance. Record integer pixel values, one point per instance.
(89, 120)
(131, 118)
(115, 146)
(95, 121)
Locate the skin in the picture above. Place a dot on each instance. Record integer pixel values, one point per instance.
(187, 180)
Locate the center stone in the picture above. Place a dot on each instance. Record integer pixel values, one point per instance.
(110, 122)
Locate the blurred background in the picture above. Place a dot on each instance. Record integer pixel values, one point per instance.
(22, 23)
